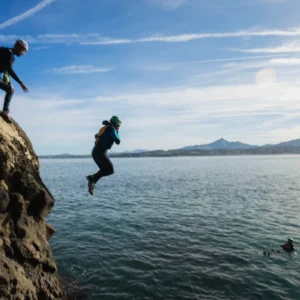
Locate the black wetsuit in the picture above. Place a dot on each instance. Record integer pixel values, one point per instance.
(291, 249)
(106, 137)
(6, 61)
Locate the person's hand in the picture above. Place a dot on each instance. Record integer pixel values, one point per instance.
(24, 87)
(12, 88)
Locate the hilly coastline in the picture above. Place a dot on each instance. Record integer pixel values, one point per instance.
(218, 147)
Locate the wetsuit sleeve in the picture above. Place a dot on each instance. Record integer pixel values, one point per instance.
(115, 136)
(11, 72)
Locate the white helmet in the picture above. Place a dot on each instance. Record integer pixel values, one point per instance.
(23, 44)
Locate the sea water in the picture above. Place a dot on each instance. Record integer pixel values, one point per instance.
(178, 228)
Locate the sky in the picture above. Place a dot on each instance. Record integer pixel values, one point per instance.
(176, 72)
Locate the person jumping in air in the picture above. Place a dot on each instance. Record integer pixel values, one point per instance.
(7, 56)
(105, 138)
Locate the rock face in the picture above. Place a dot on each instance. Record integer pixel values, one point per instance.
(27, 268)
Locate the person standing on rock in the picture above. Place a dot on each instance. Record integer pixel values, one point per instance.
(7, 56)
(105, 138)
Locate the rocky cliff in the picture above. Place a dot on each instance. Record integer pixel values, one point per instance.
(27, 268)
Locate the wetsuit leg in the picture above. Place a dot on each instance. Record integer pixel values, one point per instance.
(105, 165)
(9, 93)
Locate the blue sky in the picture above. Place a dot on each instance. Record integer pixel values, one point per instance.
(177, 72)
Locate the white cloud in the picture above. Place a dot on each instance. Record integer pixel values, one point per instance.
(98, 39)
(229, 59)
(285, 48)
(266, 76)
(40, 48)
(284, 119)
(167, 67)
(108, 41)
(210, 110)
(26, 14)
(221, 100)
(284, 134)
(285, 61)
(88, 69)
(66, 39)
(196, 36)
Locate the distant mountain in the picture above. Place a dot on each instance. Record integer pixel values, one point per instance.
(64, 155)
(293, 143)
(67, 155)
(138, 151)
(132, 151)
(226, 145)
(220, 144)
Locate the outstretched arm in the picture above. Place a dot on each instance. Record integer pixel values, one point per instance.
(12, 73)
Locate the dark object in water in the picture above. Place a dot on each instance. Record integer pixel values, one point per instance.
(272, 251)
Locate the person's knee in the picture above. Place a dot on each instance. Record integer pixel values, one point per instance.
(112, 171)
(10, 90)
